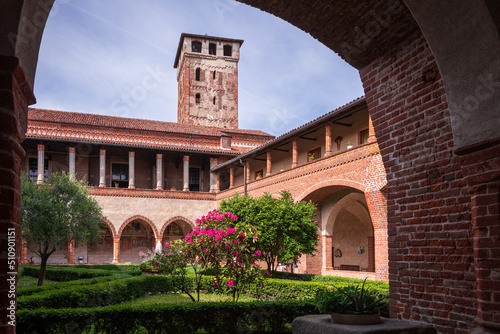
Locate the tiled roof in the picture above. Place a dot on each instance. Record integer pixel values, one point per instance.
(67, 117)
(101, 129)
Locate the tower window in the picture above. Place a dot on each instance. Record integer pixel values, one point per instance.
(196, 46)
(215, 99)
(228, 50)
(198, 74)
(198, 97)
(212, 49)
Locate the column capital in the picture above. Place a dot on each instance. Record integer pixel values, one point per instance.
(72, 149)
(131, 154)
(102, 151)
(185, 157)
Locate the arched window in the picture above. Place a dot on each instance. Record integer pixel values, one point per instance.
(228, 50)
(212, 49)
(196, 46)
(198, 74)
(215, 99)
(214, 74)
(198, 97)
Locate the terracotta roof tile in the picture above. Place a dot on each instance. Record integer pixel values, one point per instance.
(46, 115)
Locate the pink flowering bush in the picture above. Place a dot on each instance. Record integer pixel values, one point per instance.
(216, 244)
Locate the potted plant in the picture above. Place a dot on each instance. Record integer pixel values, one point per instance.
(116, 184)
(173, 187)
(352, 305)
(349, 145)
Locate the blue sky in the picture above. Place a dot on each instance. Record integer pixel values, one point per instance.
(95, 55)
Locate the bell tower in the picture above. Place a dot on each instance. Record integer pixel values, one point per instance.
(207, 76)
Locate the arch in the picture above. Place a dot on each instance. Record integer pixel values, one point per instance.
(318, 191)
(198, 74)
(138, 217)
(177, 218)
(101, 251)
(111, 227)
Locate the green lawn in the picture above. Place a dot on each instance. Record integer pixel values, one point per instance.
(169, 298)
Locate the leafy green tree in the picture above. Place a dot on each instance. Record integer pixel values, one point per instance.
(286, 229)
(55, 213)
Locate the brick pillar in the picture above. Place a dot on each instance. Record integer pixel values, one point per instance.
(15, 96)
(24, 252)
(315, 263)
(268, 163)
(71, 252)
(377, 207)
(481, 168)
(231, 177)
(371, 254)
(248, 170)
(131, 170)
(217, 183)
(186, 173)
(328, 140)
(295, 154)
(41, 164)
(159, 171)
(213, 176)
(102, 168)
(371, 130)
(326, 240)
(72, 162)
(116, 250)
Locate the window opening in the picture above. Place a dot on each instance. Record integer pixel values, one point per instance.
(214, 99)
(198, 97)
(119, 175)
(198, 74)
(212, 49)
(196, 46)
(314, 154)
(228, 50)
(214, 74)
(363, 137)
(194, 179)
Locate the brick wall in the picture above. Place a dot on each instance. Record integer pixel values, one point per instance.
(431, 270)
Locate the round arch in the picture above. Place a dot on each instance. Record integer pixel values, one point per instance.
(174, 219)
(320, 191)
(111, 227)
(142, 218)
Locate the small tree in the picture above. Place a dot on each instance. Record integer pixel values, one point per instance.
(55, 213)
(286, 229)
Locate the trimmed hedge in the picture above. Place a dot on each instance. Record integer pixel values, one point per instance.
(65, 285)
(102, 294)
(71, 273)
(264, 316)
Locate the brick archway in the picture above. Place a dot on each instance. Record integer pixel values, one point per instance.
(142, 218)
(171, 220)
(111, 227)
(330, 185)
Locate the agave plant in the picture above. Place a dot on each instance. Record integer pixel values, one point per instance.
(351, 299)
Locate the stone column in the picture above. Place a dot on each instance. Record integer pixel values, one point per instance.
(248, 170)
(116, 250)
(159, 171)
(295, 154)
(72, 162)
(131, 170)
(371, 130)
(15, 96)
(102, 168)
(71, 252)
(41, 164)
(213, 176)
(268, 163)
(231, 177)
(328, 140)
(186, 173)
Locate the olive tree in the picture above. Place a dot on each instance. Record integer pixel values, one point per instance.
(56, 213)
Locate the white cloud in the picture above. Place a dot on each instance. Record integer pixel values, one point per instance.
(96, 54)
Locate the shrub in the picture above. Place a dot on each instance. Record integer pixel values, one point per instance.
(70, 273)
(183, 318)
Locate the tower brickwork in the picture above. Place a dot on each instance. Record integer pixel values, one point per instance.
(207, 76)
